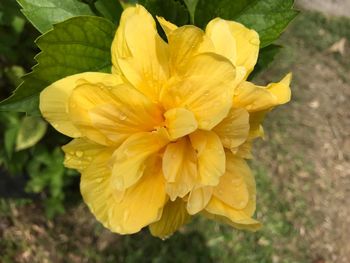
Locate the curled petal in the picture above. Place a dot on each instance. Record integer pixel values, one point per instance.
(139, 53)
(129, 160)
(54, 99)
(236, 208)
(167, 26)
(206, 89)
(123, 212)
(210, 156)
(233, 188)
(96, 190)
(184, 43)
(179, 168)
(257, 98)
(234, 129)
(142, 204)
(234, 41)
(180, 122)
(173, 217)
(108, 115)
(198, 199)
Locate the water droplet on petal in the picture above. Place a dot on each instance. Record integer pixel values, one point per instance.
(99, 180)
(79, 154)
(122, 116)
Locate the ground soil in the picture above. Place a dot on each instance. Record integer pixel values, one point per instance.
(331, 7)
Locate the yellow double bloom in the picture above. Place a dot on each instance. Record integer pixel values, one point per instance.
(165, 135)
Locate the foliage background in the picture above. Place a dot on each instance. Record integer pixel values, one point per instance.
(301, 170)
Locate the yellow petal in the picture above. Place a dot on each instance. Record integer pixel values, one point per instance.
(96, 189)
(184, 43)
(234, 129)
(142, 204)
(210, 155)
(232, 189)
(166, 25)
(257, 98)
(127, 212)
(139, 53)
(108, 115)
(249, 224)
(244, 150)
(255, 122)
(234, 41)
(220, 207)
(281, 90)
(173, 217)
(80, 152)
(179, 168)
(198, 199)
(130, 158)
(205, 89)
(54, 99)
(180, 122)
(219, 32)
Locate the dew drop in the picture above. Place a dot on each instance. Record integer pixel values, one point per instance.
(79, 154)
(98, 180)
(122, 116)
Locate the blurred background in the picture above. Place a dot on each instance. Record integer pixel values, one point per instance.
(302, 168)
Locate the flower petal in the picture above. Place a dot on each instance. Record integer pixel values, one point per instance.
(249, 224)
(180, 122)
(80, 152)
(96, 189)
(232, 189)
(210, 155)
(219, 32)
(173, 217)
(234, 129)
(206, 89)
(108, 115)
(198, 199)
(139, 53)
(257, 98)
(234, 41)
(184, 43)
(54, 99)
(244, 150)
(179, 168)
(127, 212)
(142, 204)
(167, 26)
(130, 158)
(223, 208)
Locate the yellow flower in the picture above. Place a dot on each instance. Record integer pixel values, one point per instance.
(165, 135)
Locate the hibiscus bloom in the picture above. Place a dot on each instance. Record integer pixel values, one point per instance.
(165, 136)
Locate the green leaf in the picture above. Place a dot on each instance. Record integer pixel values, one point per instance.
(171, 10)
(110, 9)
(10, 140)
(44, 13)
(266, 56)
(31, 131)
(80, 44)
(191, 6)
(268, 17)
